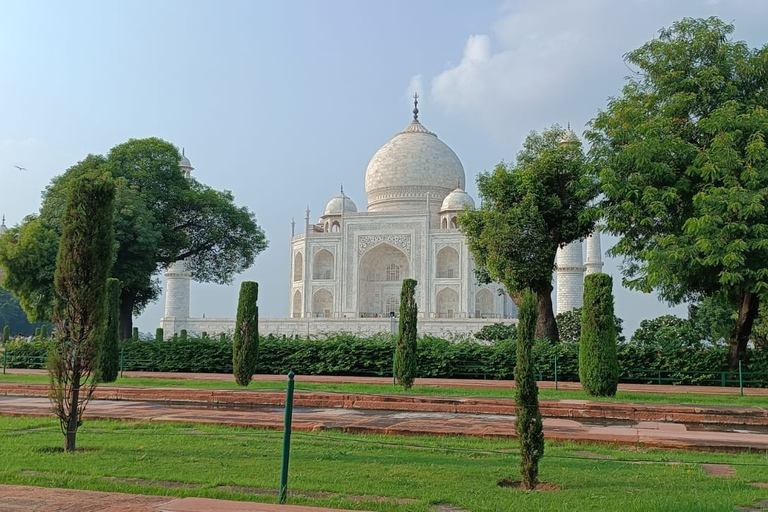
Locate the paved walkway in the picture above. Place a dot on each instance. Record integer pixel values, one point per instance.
(652, 425)
(22, 498)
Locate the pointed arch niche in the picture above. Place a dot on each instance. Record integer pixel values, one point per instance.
(296, 308)
(447, 263)
(298, 266)
(322, 265)
(381, 273)
(447, 303)
(322, 304)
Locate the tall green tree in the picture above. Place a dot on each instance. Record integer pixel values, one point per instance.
(405, 350)
(529, 209)
(529, 426)
(684, 170)
(598, 363)
(161, 217)
(109, 353)
(82, 266)
(245, 348)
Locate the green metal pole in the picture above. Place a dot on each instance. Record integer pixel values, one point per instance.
(5, 358)
(555, 372)
(283, 493)
(741, 380)
(122, 350)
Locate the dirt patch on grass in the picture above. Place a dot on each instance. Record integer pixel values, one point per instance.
(719, 470)
(59, 449)
(593, 455)
(448, 508)
(159, 483)
(540, 487)
(763, 485)
(317, 495)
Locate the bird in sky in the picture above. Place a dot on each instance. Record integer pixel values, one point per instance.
(20, 168)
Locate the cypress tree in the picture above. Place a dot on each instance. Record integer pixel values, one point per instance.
(109, 358)
(598, 364)
(6, 333)
(183, 336)
(222, 337)
(135, 334)
(529, 427)
(44, 332)
(245, 348)
(405, 351)
(83, 263)
(159, 334)
(37, 333)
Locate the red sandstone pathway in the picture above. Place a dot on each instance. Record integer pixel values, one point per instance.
(579, 420)
(452, 383)
(22, 498)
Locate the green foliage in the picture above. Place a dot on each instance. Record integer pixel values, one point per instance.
(406, 364)
(109, 356)
(28, 261)
(161, 217)
(245, 348)
(530, 431)
(183, 335)
(135, 334)
(598, 363)
(6, 333)
(569, 326)
(159, 334)
(671, 352)
(497, 332)
(527, 211)
(82, 267)
(685, 170)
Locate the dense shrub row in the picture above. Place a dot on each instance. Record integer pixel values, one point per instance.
(346, 354)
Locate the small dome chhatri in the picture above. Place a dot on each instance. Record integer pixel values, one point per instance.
(335, 205)
(457, 201)
(413, 166)
(185, 165)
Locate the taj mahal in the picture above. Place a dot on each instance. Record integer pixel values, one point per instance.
(347, 268)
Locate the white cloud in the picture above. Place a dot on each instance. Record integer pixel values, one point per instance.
(553, 61)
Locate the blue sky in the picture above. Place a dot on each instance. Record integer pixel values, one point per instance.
(283, 101)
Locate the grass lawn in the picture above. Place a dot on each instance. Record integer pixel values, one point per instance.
(387, 473)
(621, 396)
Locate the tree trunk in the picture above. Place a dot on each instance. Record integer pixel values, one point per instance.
(72, 416)
(737, 345)
(126, 315)
(546, 326)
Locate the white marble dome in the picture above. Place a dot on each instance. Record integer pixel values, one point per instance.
(334, 206)
(413, 165)
(456, 201)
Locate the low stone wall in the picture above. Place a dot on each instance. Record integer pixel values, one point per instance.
(441, 327)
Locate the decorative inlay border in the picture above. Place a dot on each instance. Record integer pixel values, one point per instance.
(365, 242)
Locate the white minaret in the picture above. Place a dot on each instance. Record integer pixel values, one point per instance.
(177, 276)
(570, 277)
(594, 261)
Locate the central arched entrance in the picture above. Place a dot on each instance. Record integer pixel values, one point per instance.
(382, 270)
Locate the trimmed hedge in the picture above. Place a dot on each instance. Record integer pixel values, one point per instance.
(346, 354)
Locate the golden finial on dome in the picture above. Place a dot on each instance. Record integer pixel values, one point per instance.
(415, 106)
